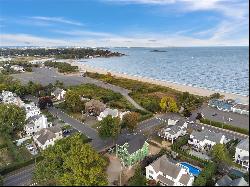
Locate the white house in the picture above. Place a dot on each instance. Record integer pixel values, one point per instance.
(47, 137)
(35, 124)
(11, 98)
(108, 111)
(17, 68)
(242, 153)
(227, 181)
(168, 173)
(174, 130)
(206, 139)
(31, 110)
(59, 94)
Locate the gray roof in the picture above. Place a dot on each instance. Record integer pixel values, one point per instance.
(185, 178)
(227, 181)
(239, 182)
(35, 118)
(206, 134)
(224, 181)
(57, 91)
(134, 143)
(165, 180)
(47, 134)
(167, 167)
(244, 144)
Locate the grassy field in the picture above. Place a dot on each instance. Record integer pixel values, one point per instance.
(149, 95)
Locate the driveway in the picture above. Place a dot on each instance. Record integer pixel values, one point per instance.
(45, 76)
(114, 169)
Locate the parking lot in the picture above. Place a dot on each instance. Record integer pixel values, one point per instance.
(214, 114)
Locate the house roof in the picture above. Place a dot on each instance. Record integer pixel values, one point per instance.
(35, 118)
(134, 143)
(206, 134)
(244, 144)
(224, 181)
(227, 181)
(239, 182)
(165, 180)
(185, 178)
(164, 165)
(47, 134)
(242, 107)
(58, 91)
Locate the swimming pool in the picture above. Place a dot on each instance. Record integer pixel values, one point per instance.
(193, 170)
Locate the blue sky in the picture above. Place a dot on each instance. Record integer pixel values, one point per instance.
(146, 23)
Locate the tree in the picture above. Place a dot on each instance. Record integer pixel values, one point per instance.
(109, 127)
(108, 77)
(130, 120)
(73, 101)
(71, 162)
(44, 102)
(220, 154)
(59, 84)
(138, 179)
(12, 118)
(168, 104)
(1, 180)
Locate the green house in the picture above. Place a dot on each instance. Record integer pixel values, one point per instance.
(132, 151)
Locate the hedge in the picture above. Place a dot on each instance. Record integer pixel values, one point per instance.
(225, 126)
(15, 166)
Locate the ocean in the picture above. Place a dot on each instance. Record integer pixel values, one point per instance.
(224, 69)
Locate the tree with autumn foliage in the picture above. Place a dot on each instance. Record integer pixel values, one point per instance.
(130, 120)
(168, 104)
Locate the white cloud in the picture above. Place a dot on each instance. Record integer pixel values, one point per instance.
(56, 19)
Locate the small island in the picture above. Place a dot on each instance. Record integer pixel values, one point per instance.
(156, 50)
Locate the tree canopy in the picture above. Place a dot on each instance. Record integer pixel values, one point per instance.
(220, 153)
(130, 120)
(12, 118)
(109, 127)
(168, 104)
(71, 162)
(73, 101)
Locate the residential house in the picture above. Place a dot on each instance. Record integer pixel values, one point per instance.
(17, 68)
(59, 94)
(11, 98)
(47, 137)
(205, 139)
(174, 130)
(94, 107)
(227, 181)
(168, 173)
(35, 124)
(108, 111)
(242, 153)
(133, 150)
(31, 110)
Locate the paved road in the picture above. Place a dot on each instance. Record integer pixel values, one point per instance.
(21, 177)
(98, 143)
(45, 76)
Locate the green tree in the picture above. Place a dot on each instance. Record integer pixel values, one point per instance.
(12, 118)
(220, 154)
(138, 179)
(71, 162)
(1, 180)
(109, 127)
(73, 101)
(131, 120)
(168, 104)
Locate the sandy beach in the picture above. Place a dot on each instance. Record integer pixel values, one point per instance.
(176, 86)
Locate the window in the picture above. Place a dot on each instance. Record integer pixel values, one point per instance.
(150, 177)
(151, 172)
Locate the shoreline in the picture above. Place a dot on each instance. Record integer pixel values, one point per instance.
(176, 86)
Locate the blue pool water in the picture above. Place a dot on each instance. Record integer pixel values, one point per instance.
(193, 170)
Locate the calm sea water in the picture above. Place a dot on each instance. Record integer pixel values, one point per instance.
(216, 68)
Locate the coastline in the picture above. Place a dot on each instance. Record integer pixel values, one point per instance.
(193, 90)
